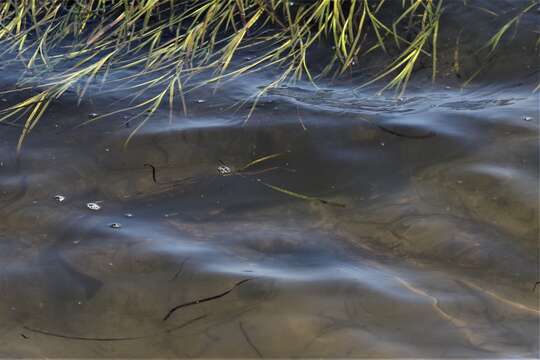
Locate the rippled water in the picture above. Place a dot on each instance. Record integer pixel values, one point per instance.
(435, 253)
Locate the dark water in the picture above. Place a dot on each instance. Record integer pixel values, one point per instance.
(435, 253)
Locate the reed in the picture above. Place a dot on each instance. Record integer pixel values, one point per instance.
(170, 45)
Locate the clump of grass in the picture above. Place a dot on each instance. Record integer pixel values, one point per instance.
(70, 45)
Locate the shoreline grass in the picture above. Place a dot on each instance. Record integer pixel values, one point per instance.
(71, 45)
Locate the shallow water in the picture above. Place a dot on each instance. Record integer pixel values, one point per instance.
(435, 253)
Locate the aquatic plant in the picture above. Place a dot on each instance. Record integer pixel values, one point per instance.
(246, 172)
(167, 48)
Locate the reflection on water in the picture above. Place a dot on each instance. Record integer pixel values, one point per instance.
(434, 255)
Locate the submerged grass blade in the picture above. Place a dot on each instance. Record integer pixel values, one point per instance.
(299, 195)
(260, 160)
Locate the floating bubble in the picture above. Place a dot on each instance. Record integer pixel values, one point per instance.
(224, 170)
(93, 206)
(59, 198)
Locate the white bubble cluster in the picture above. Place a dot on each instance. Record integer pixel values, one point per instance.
(93, 206)
(224, 170)
(59, 198)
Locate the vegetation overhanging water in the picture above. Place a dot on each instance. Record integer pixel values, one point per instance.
(245, 178)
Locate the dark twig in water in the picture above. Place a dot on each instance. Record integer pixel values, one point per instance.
(536, 284)
(154, 177)
(179, 272)
(153, 172)
(226, 170)
(48, 333)
(109, 339)
(395, 133)
(248, 340)
(199, 301)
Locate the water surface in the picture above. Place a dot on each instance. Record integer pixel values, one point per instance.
(435, 253)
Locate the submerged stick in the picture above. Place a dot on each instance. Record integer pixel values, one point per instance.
(228, 171)
(155, 180)
(180, 270)
(70, 337)
(108, 339)
(395, 133)
(199, 301)
(248, 340)
(153, 172)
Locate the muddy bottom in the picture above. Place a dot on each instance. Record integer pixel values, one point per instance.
(379, 227)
